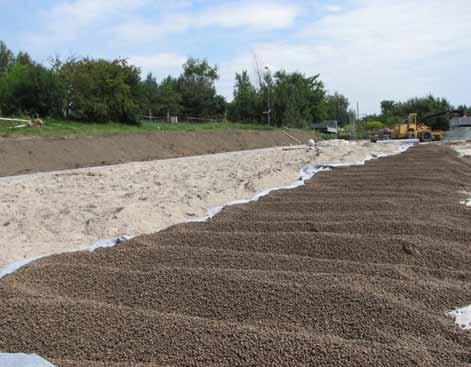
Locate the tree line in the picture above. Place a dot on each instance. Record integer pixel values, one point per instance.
(98, 90)
(396, 111)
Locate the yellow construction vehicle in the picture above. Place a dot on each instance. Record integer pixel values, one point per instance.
(412, 129)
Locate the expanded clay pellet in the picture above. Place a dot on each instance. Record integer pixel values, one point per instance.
(357, 268)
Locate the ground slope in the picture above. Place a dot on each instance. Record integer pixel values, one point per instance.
(28, 155)
(357, 268)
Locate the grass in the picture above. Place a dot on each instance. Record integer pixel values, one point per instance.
(58, 128)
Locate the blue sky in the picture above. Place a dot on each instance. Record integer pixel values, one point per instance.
(368, 50)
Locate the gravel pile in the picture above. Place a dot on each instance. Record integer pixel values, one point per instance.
(357, 268)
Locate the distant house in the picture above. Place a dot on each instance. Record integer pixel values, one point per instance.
(330, 126)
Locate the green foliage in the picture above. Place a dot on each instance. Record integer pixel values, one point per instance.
(388, 107)
(357, 130)
(326, 136)
(294, 99)
(466, 109)
(371, 125)
(6, 58)
(25, 87)
(23, 58)
(197, 90)
(337, 108)
(101, 90)
(149, 94)
(97, 90)
(169, 97)
(28, 89)
(162, 99)
(393, 112)
(298, 101)
(61, 128)
(193, 94)
(247, 104)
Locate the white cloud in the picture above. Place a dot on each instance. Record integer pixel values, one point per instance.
(333, 8)
(405, 29)
(161, 64)
(66, 20)
(378, 50)
(139, 30)
(255, 15)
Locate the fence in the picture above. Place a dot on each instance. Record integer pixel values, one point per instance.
(177, 119)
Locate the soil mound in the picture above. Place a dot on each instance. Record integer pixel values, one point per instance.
(357, 268)
(30, 155)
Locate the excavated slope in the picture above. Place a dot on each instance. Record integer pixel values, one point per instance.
(357, 268)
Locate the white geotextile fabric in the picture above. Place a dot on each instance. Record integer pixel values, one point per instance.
(462, 317)
(22, 360)
(11, 268)
(400, 141)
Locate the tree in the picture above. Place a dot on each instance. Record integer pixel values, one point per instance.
(23, 58)
(298, 101)
(394, 111)
(169, 98)
(246, 104)
(466, 109)
(101, 90)
(388, 107)
(30, 89)
(337, 108)
(198, 93)
(6, 58)
(149, 94)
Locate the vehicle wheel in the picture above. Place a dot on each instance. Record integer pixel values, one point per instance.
(426, 137)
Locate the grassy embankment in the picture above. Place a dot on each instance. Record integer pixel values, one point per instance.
(57, 128)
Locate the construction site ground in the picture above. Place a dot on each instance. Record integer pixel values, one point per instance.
(356, 268)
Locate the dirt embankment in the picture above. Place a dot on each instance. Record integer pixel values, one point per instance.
(357, 268)
(28, 155)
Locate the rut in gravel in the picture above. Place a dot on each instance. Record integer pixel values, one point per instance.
(357, 268)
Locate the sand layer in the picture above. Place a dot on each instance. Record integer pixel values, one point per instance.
(47, 213)
(357, 268)
(462, 147)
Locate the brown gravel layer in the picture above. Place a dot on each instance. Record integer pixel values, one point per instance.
(357, 268)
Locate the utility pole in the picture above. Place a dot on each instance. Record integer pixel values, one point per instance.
(355, 120)
(269, 96)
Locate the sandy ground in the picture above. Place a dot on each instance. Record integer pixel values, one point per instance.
(53, 212)
(463, 148)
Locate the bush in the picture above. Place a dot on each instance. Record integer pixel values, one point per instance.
(101, 90)
(371, 125)
(27, 89)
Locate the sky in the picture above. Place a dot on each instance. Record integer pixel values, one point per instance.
(368, 50)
